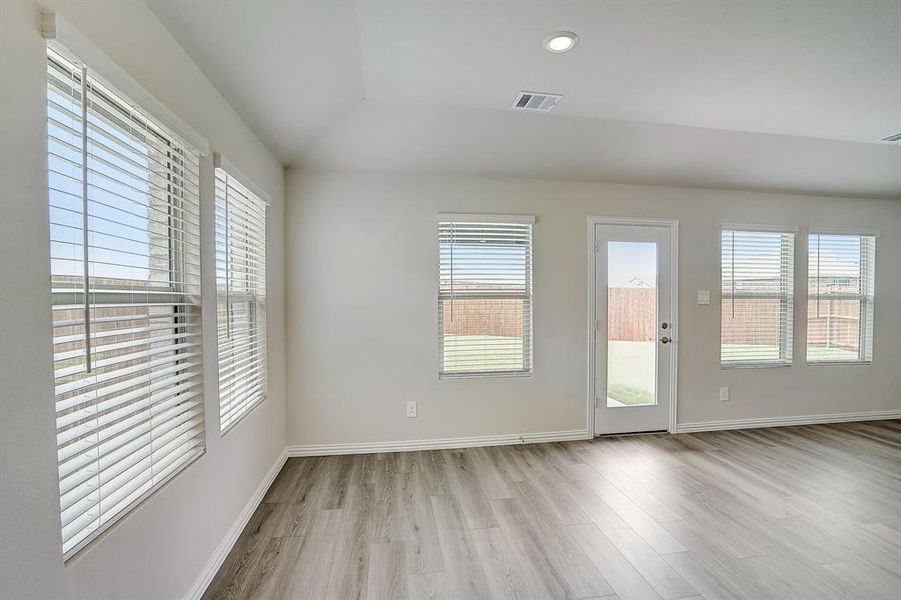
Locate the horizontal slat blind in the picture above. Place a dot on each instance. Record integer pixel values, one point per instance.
(840, 295)
(125, 270)
(484, 297)
(241, 290)
(757, 297)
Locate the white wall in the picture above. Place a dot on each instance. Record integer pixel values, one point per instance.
(159, 549)
(362, 329)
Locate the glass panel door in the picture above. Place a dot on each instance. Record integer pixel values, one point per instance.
(634, 334)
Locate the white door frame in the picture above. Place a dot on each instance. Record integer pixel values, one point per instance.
(673, 226)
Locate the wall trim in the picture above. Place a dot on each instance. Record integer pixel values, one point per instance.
(437, 443)
(876, 415)
(231, 536)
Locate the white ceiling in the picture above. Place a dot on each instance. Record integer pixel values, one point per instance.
(756, 94)
(289, 68)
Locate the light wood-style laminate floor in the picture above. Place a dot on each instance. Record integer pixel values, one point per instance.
(788, 513)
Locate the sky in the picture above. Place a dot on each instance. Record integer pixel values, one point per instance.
(632, 264)
(120, 240)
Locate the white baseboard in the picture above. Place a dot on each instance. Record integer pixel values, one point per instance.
(437, 443)
(212, 566)
(875, 415)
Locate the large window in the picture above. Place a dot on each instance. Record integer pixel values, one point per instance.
(757, 293)
(484, 295)
(241, 291)
(841, 272)
(125, 270)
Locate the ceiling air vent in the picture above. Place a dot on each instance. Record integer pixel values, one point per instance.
(536, 101)
(895, 137)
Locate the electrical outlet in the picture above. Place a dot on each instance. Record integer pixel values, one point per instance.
(703, 296)
(411, 409)
(724, 394)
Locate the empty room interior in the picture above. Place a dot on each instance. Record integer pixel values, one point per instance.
(450, 300)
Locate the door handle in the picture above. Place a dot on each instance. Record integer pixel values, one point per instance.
(665, 340)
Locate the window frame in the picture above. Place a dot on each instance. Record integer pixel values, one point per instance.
(786, 299)
(180, 293)
(527, 296)
(867, 308)
(257, 305)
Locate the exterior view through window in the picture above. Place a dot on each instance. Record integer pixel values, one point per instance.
(757, 297)
(631, 323)
(125, 278)
(840, 291)
(485, 295)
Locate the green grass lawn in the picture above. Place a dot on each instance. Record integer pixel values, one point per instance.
(631, 373)
(772, 352)
(833, 354)
(499, 353)
(630, 367)
(627, 394)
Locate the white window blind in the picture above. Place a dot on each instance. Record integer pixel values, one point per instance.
(485, 295)
(840, 291)
(757, 297)
(125, 271)
(241, 290)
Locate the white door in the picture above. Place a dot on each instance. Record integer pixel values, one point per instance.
(633, 329)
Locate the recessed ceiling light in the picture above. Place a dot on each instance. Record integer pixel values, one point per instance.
(561, 41)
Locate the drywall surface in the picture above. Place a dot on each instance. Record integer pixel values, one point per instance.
(159, 549)
(363, 321)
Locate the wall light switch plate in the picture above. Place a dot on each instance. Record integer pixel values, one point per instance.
(724, 394)
(411, 409)
(703, 296)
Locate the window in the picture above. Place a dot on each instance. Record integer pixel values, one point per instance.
(485, 295)
(840, 288)
(757, 293)
(241, 305)
(125, 278)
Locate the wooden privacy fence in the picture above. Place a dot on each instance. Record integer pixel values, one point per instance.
(834, 323)
(750, 322)
(483, 317)
(631, 317)
(631, 314)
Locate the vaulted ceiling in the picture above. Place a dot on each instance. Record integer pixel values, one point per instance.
(789, 96)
